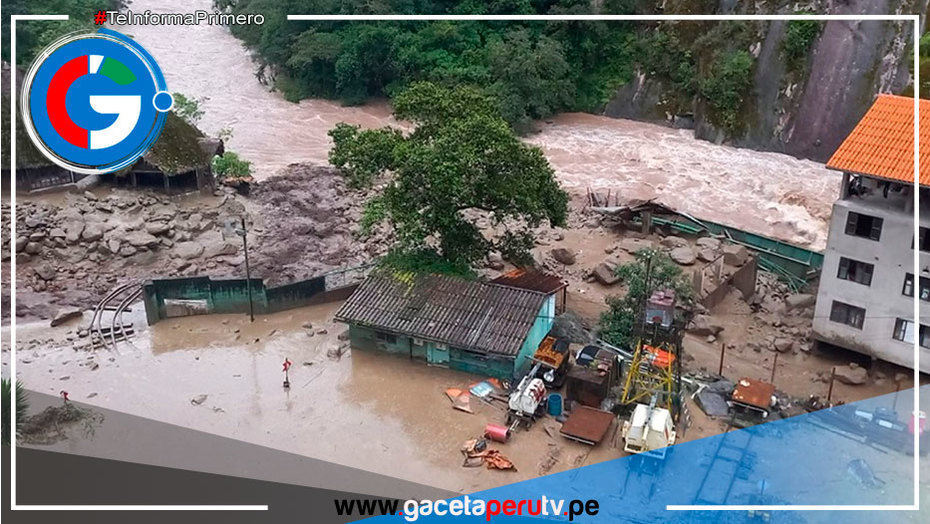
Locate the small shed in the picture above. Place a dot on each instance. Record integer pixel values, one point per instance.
(33, 170)
(536, 280)
(594, 373)
(475, 326)
(180, 160)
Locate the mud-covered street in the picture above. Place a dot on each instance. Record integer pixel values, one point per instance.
(223, 375)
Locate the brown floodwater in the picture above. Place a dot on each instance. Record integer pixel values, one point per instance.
(767, 193)
(368, 410)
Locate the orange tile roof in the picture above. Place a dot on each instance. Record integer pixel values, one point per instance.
(882, 144)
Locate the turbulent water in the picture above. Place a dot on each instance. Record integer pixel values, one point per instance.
(767, 193)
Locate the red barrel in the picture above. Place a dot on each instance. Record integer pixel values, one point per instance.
(497, 433)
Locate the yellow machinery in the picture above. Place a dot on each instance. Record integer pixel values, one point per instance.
(651, 373)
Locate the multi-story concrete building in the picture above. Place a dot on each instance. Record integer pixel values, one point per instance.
(868, 282)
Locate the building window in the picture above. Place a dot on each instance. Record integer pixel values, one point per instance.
(864, 226)
(904, 331)
(909, 287)
(386, 337)
(847, 314)
(855, 271)
(923, 243)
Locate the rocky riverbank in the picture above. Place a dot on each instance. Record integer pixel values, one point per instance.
(73, 248)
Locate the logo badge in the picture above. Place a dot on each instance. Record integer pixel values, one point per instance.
(94, 102)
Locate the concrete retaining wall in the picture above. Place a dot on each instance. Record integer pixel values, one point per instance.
(231, 295)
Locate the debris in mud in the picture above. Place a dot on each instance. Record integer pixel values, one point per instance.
(476, 452)
(860, 470)
(550, 459)
(852, 374)
(462, 402)
(198, 400)
(337, 352)
(55, 422)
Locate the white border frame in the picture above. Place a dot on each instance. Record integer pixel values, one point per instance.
(669, 18)
(58, 507)
(658, 18)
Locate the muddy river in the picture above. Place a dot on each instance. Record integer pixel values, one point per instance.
(768, 193)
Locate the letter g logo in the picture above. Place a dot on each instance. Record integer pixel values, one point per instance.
(94, 102)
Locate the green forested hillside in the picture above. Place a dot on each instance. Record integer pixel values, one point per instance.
(533, 69)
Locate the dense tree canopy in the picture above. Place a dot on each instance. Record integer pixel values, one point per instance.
(532, 69)
(461, 161)
(33, 36)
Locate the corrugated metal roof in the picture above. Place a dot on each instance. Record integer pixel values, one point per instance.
(479, 316)
(531, 279)
(882, 143)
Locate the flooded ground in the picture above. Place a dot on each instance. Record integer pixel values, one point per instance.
(767, 193)
(373, 411)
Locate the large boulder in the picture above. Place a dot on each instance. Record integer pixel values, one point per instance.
(605, 273)
(632, 245)
(735, 254)
(45, 271)
(569, 326)
(799, 300)
(92, 232)
(783, 345)
(702, 326)
(707, 255)
(188, 250)
(563, 255)
(853, 375)
(683, 255)
(673, 241)
(226, 247)
(157, 228)
(141, 239)
(66, 314)
(495, 261)
(73, 231)
(708, 243)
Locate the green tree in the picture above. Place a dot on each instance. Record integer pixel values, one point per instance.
(229, 165)
(618, 324)
(22, 405)
(33, 36)
(726, 87)
(461, 160)
(530, 78)
(534, 68)
(187, 108)
(798, 39)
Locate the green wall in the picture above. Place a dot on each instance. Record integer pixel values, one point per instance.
(231, 295)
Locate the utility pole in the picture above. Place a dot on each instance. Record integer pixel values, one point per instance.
(774, 367)
(723, 348)
(248, 273)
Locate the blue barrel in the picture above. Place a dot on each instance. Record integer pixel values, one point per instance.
(555, 404)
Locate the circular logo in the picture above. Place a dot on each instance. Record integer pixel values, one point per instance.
(94, 102)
